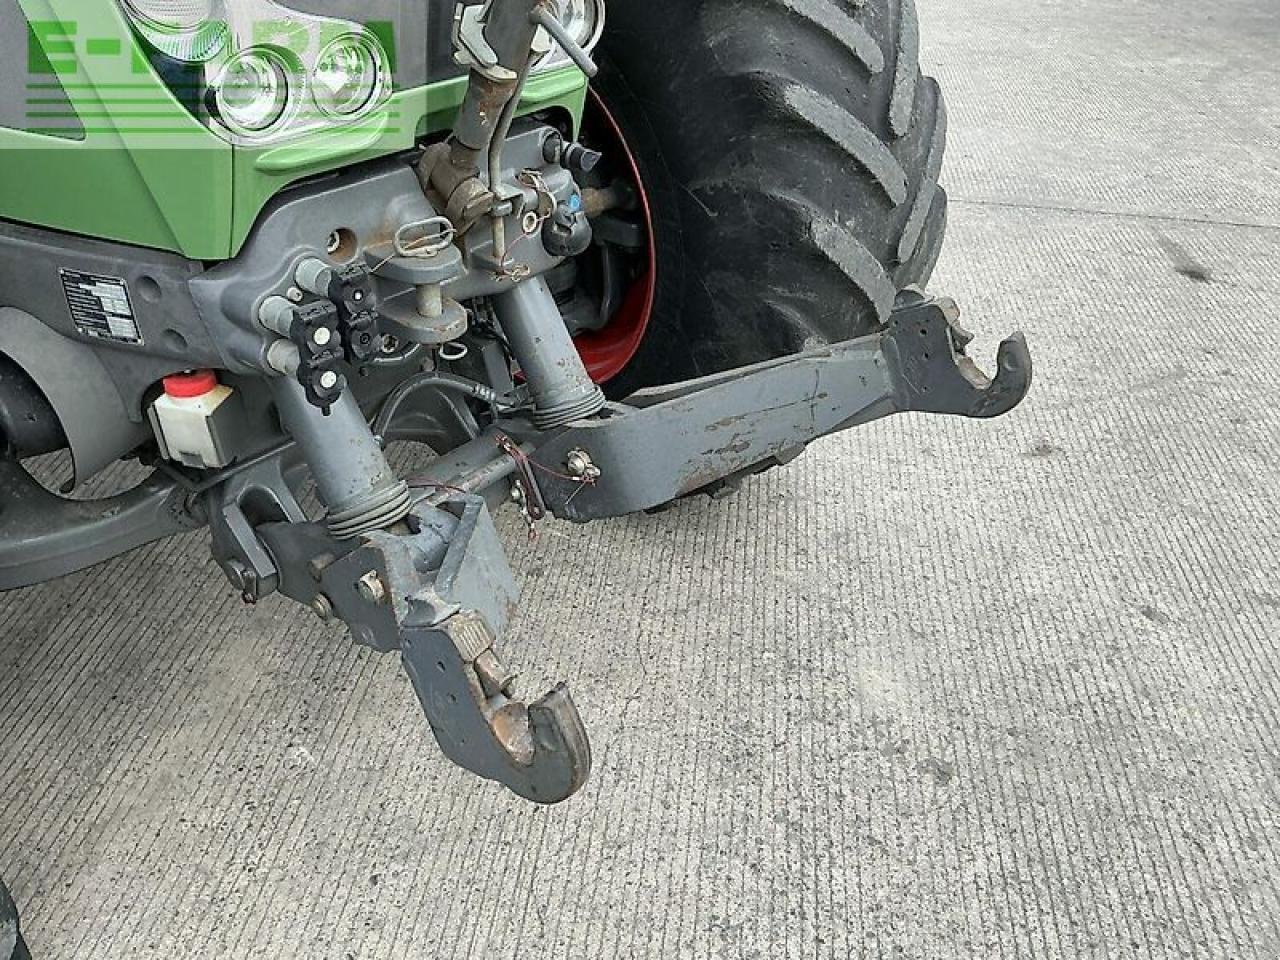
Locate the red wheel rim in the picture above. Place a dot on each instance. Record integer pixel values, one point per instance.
(607, 352)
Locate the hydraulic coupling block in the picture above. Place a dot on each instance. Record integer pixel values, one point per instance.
(321, 382)
(312, 327)
(311, 349)
(349, 289)
(574, 157)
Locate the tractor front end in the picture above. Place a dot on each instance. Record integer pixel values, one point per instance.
(251, 244)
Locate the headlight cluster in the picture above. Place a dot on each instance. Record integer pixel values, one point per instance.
(270, 72)
(349, 75)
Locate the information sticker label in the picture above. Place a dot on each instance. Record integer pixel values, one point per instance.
(100, 306)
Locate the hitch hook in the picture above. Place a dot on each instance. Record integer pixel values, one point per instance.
(539, 751)
(926, 345)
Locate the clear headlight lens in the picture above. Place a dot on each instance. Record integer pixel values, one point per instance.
(252, 93)
(187, 30)
(584, 19)
(173, 14)
(349, 74)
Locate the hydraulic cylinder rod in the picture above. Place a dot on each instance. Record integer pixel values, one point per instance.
(351, 472)
(563, 391)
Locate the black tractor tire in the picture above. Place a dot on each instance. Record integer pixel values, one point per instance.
(791, 151)
(12, 946)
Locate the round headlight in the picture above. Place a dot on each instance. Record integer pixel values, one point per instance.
(349, 75)
(252, 92)
(584, 19)
(173, 14)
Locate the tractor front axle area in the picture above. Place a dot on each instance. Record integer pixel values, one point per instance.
(436, 586)
(443, 324)
(441, 591)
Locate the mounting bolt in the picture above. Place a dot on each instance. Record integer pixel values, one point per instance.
(371, 588)
(581, 466)
(322, 607)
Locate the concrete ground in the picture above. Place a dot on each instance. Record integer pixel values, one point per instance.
(939, 690)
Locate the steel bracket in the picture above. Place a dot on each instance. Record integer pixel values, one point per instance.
(440, 591)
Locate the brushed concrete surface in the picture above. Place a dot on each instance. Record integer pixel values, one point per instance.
(939, 690)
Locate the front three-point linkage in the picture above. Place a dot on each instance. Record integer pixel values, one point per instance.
(430, 579)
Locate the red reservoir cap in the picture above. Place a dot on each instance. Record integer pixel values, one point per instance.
(194, 383)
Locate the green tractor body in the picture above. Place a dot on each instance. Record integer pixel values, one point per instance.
(96, 142)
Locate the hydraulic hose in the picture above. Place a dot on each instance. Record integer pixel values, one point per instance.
(496, 146)
(443, 381)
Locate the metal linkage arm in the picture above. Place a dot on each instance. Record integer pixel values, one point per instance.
(434, 584)
(44, 536)
(670, 441)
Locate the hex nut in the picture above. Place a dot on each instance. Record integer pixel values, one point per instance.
(581, 466)
(371, 588)
(322, 607)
